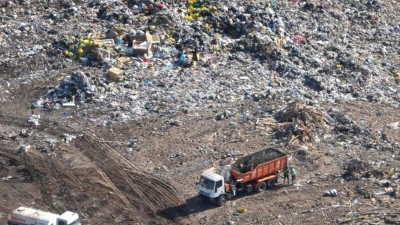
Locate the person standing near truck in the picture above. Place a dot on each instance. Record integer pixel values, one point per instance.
(285, 175)
(293, 174)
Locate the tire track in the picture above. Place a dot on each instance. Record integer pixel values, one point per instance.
(137, 191)
(295, 215)
(140, 187)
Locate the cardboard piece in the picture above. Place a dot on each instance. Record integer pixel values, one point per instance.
(116, 74)
(124, 59)
(143, 45)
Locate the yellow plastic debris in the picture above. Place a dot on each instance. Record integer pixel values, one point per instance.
(191, 2)
(197, 56)
(363, 217)
(171, 39)
(281, 41)
(188, 18)
(81, 52)
(204, 8)
(242, 210)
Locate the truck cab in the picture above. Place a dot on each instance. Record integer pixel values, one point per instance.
(68, 218)
(212, 187)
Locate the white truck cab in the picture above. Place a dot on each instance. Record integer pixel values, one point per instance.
(212, 186)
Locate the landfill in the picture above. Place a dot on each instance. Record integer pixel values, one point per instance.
(113, 108)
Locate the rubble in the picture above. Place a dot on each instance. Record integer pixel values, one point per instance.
(298, 122)
(356, 169)
(76, 87)
(26, 133)
(23, 149)
(68, 138)
(332, 193)
(34, 120)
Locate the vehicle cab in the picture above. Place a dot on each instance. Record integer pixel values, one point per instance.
(211, 185)
(69, 218)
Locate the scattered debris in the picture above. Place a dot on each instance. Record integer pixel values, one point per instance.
(393, 126)
(332, 193)
(23, 149)
(242, 210)
(68, 138)
(34, 120)
(26, 133)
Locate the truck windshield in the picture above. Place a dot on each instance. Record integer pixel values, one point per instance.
(76, 222)
(209, 184)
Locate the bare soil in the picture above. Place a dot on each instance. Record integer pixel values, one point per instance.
(154, 182)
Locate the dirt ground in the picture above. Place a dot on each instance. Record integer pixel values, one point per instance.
(153, 182)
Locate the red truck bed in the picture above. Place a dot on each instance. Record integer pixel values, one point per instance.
(258, 165)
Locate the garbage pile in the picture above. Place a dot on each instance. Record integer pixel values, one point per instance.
(75, 88)
(356, 169)
(298, 122)
(184, 56)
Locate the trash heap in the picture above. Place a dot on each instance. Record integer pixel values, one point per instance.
(74, 89)
(298, 122)
(356, 169)
(163, 58)
(387, 181)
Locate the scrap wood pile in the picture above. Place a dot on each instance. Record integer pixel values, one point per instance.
(296, 123)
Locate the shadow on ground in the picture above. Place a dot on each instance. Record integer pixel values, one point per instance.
(192, 205)
(197, 204)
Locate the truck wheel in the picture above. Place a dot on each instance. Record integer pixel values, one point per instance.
(221, 200)
(261, 187)
(271, 183)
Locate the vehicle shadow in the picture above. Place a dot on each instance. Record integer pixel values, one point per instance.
(197, 204)
(192, 205)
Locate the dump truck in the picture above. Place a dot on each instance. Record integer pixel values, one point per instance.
(24, 216)
(255, 172)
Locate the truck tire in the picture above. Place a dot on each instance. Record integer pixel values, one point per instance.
(221, 200)
(271, 183)
(261, 187)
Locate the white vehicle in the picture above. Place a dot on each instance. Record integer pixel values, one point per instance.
(29, 216)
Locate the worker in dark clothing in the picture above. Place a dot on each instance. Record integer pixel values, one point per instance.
(285, 175)
(293, 174)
